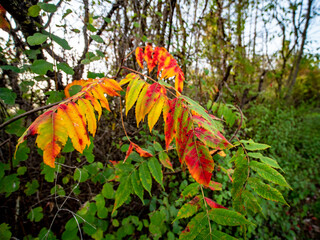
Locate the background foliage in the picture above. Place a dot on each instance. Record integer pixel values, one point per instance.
(231, 55)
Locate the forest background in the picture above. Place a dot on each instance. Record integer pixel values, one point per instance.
(259, 56)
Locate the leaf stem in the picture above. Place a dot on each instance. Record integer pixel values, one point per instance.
(206, 206)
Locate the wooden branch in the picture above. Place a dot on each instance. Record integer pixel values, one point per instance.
(27, 113)
(225, 78)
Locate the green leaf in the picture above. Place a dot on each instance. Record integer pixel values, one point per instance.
(9, 184)
(20, 171)
(54, 96)
(36, 39)
(193, 105)
(5, 231)
(48, 172)
(85, 61)
(145, 177)
(12, 68)
(252, 146)
(102, 211)
(191, 190)
(73, 90)
(68, 11)
(35, 215)
(32, 187)
(62, 42)
(266, 191)
(95, 75)
(108, 20)
(7, 96)
(91, 28)
(144, 38)
(32, 54)
(251, 202)
(137, 185)
(97, 38)
(271, 162)
(80, 175)
(123, 192)
(47, 7)
(101, 54)
(41, 67)
(197, 224)
(107, 191)
(157, 146)
(227, 217)
(165, 160)
(66, 68)
(215, 235)
(157, 226)
(156, 171)
(268, 173)
(34, 11)
(187, 210)
(240, 174)
(98, 235)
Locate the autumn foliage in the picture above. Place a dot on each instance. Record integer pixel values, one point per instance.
(195, 135)
(75, 117)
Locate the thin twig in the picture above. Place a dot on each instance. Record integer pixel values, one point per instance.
(239, 127)
(51, 15)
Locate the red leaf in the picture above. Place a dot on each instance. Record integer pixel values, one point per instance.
(169, 130)
(216, 141)
(138, 149)
(129, 151)
(151, 62)
(139, 56)
(213, 204)
(199, 161)
(150, 97)
(183, 132)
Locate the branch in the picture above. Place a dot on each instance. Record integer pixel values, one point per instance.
(51, 15)
(239, 127)
(27, 113)
(225, 78)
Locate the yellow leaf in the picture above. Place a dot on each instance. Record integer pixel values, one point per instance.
(75, 126)
(98, 93)
(87, 110)
(128, 78)
(133, 91)
(139, 116)
(155, 112)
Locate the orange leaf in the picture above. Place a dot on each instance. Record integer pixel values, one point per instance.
(148, 52)
(167, 65)
(70, 119)
(138, 149)
(139, 56)
(4, 24)
(129, 151)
